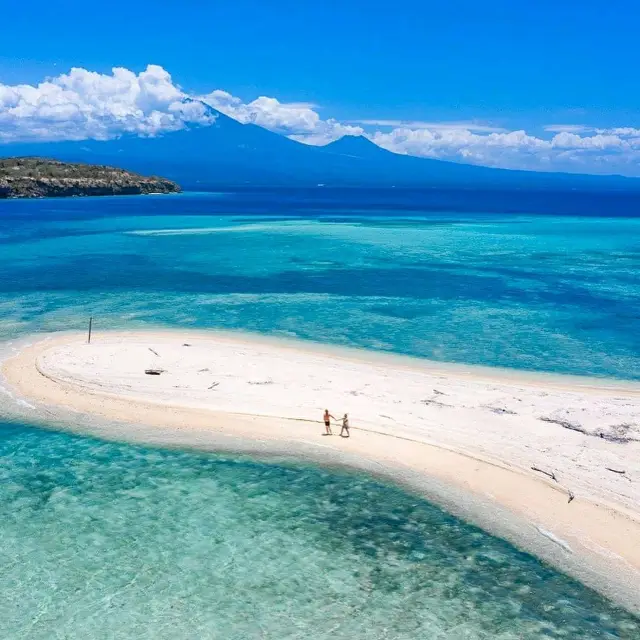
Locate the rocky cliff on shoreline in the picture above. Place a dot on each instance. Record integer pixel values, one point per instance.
(41, 177)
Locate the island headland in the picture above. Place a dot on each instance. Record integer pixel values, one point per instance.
(45, 178)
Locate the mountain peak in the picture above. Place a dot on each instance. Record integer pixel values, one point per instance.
(208, 109)
(354, 147)
(351, 142)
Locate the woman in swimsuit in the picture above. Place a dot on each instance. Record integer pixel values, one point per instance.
(327, 422)
(345, 426)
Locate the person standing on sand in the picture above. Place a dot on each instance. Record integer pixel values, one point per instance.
(327, 422)
(345, 426)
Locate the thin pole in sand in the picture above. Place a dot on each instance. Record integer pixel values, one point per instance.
(90, 323)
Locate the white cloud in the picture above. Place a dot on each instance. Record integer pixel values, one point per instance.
(568, 128)
(298, 120)
(452, 144)
(620, 131)
(84, 104)
(598, 141)
(434, 126)
(565, 151)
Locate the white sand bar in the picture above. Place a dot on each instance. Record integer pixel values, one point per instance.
(476, 433)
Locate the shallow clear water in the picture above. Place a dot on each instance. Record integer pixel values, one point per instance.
(100, 540)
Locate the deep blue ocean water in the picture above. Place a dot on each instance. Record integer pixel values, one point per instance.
(104, 540)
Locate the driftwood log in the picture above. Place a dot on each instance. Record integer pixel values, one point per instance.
(550, 474)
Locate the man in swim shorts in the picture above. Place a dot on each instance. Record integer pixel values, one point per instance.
(327, 422)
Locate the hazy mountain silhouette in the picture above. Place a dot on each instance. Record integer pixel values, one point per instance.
(228, 153)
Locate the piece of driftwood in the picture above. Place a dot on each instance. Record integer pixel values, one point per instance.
(153, 372)
(622, 473)
(214, 385)
(571, 496)
(186, 344)
(154, 352)
(551, 474)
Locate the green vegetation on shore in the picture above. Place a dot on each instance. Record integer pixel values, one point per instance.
(42, 177)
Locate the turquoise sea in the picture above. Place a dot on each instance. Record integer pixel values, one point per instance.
(107, 540)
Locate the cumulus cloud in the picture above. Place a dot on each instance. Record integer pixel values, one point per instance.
(298, 120)
(598, 141)
(493, 149)
(84, 104)
(604, 152)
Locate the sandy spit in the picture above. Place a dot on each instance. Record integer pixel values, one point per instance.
(464, 438)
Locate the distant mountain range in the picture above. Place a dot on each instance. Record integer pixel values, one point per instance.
(231, 154)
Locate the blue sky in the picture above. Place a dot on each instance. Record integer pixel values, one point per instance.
(500, 66)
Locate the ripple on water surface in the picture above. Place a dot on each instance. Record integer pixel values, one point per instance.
(103, 540)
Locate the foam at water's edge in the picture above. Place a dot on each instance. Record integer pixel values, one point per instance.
(559, 541)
